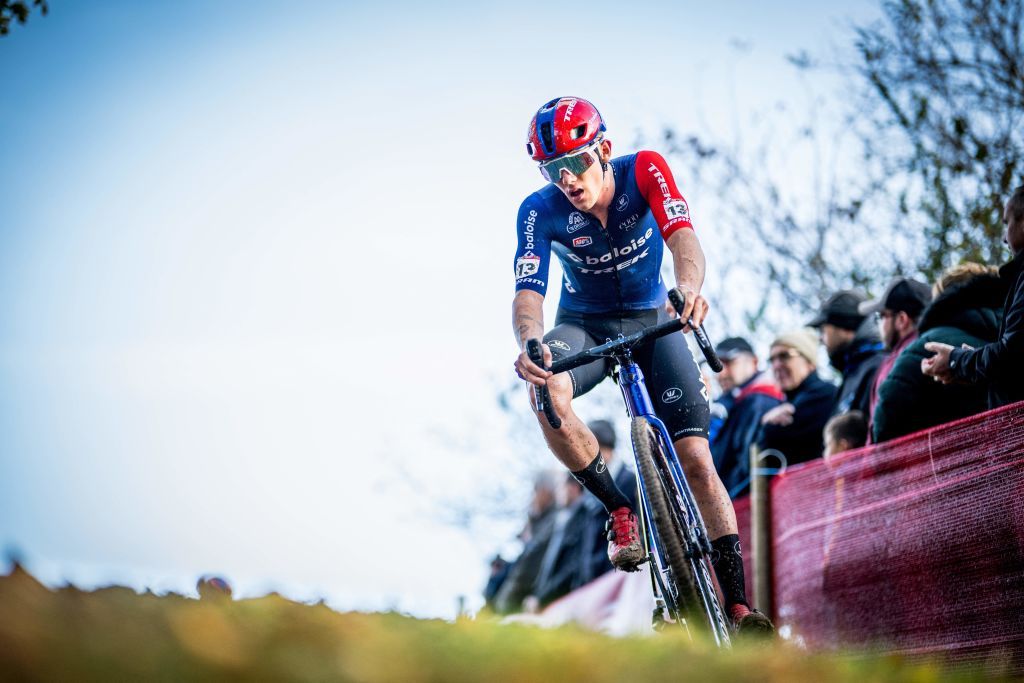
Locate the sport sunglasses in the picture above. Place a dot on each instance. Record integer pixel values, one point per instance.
(575, 163)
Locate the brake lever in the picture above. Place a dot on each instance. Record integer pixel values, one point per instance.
(543, 396)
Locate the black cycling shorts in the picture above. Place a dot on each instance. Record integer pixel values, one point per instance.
(671, 374)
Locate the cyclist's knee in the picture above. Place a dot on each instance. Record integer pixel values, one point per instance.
(560, 390)
(695, 455)
(560, 387)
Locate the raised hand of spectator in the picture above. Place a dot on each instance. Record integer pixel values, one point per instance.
(781, 415)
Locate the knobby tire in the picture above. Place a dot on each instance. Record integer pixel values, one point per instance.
(668, 527)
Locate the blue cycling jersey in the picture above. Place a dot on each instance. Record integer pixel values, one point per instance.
(607, 268)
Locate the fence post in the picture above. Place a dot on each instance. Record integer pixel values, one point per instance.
(761, 532)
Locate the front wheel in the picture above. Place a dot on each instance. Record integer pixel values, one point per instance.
(691, 595)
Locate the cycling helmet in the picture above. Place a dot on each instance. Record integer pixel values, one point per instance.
(561, 126)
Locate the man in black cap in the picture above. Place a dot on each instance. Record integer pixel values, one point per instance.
(751, 395)
(898, 311)
(853, 346)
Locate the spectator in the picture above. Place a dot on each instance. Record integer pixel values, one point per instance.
(752, 395)
(213, 588)
(795, 427)
(998, 365)
(561, 565)
(719, 407)
(854, 349)
(967, 308)
(594, 543)
(536, 535)
(499, 572)
(845, 432)
(897, 312)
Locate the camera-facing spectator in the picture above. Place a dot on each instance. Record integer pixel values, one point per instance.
(845, 432)
(854, 349)
(967, 308)
(794, 428)
(897, 311)
(752, 394)
(998, 365)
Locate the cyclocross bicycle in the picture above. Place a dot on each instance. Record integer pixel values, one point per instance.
(676, 541)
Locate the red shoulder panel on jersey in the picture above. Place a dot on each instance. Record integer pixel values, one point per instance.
(656, 184)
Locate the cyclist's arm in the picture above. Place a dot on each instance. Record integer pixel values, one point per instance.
(687, 260)
(528, 321)
(527, 316)
(531, 272)
(654, 180)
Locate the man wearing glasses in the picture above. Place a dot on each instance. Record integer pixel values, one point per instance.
(607, 221)
(795, 427)
(897, 312)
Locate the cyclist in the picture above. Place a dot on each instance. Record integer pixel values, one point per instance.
(606, 219)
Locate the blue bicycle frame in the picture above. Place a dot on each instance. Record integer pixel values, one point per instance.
(638, 404)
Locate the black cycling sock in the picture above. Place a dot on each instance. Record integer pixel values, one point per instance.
(596, 478)
(727, 559)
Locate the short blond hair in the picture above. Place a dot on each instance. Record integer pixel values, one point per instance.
(960, 274)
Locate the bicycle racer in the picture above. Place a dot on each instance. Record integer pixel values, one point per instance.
(607, 221)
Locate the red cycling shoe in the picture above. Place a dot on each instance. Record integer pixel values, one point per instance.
(749, 623)
(624, 548)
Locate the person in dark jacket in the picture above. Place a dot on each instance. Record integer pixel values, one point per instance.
(853, 346)
(795, 427)
(967, 310)
(898, 312)
(998, 365)
(560, 567)
(522, 573)
(752, 394)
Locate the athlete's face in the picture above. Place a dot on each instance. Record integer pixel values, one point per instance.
(584, 190)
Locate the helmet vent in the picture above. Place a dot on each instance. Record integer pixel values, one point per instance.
(545, 136)
(578, 132)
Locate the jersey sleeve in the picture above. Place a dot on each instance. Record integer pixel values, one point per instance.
(658, 187)
(534, 252)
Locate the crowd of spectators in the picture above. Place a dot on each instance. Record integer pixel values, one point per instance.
(916, 357)
(564, 540)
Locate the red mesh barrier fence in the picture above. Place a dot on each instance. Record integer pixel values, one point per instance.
(913, 546)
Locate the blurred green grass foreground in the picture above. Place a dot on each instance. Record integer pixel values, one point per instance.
(117, 634)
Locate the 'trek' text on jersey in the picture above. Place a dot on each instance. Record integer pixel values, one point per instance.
(607, 268)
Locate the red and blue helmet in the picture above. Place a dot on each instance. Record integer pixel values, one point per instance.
(561, 126)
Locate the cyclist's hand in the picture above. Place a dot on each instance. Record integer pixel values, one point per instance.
(694, 305)
(529, 371)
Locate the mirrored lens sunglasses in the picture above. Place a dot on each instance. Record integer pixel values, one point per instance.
(575, 163)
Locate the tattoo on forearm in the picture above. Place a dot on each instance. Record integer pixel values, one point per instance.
(527, 325)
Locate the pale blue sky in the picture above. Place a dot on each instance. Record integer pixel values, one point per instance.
(254, 264)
